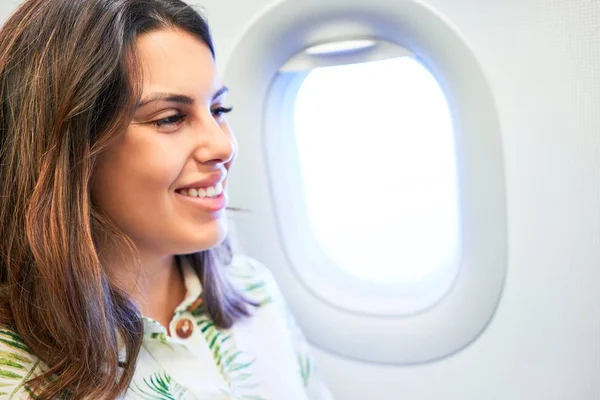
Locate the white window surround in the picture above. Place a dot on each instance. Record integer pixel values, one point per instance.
(378, 315)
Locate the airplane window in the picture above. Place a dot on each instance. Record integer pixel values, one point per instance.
(373, 166)
(376, 150)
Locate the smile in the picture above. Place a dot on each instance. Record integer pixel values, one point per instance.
(210, 198)
(203, 192)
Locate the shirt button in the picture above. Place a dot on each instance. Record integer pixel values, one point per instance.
(184, 328)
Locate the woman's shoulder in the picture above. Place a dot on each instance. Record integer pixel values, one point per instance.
(257, 282)
(253, 279)
(18, 365)
(243, 265)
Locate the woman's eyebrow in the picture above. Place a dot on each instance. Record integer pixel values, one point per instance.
(170, 97)
(220, 92)
(177, 98)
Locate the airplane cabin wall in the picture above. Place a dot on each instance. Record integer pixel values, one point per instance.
(542, 60)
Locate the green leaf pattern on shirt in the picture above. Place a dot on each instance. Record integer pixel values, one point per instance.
(234, 364)
(159, 386)
(258, 289)
(304, 363)
(17, 366)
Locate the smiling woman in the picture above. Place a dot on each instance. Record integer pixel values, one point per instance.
(178, 139)
(116, 277)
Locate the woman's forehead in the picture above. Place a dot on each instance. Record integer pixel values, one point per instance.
(175, 61)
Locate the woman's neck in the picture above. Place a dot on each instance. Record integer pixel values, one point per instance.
(155, 284)
(160, 289)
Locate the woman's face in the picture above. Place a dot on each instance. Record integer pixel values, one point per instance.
(164, 183)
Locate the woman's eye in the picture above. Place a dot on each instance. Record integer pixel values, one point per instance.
(171, 120)
(219, 111)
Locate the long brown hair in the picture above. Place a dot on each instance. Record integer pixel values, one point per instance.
(68, 87)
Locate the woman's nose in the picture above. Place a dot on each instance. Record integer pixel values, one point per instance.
(215, 143)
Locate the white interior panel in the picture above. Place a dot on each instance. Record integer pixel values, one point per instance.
(320, 295)
(542, 61)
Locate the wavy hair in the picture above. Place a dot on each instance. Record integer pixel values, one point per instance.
(69, 82)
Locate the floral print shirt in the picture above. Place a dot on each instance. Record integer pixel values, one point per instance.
(263, 357)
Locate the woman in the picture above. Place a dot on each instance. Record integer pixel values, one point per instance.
(116, 277)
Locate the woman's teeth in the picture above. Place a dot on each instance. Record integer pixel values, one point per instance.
(210, 191)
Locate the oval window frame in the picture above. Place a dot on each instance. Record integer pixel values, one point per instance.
(325, 280)
(462, 315)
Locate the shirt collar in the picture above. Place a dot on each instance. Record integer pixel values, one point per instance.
(192, 286)
(192, 298)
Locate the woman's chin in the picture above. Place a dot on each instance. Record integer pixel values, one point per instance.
(207, 239)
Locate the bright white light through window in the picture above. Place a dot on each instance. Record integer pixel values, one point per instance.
(376, 150)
